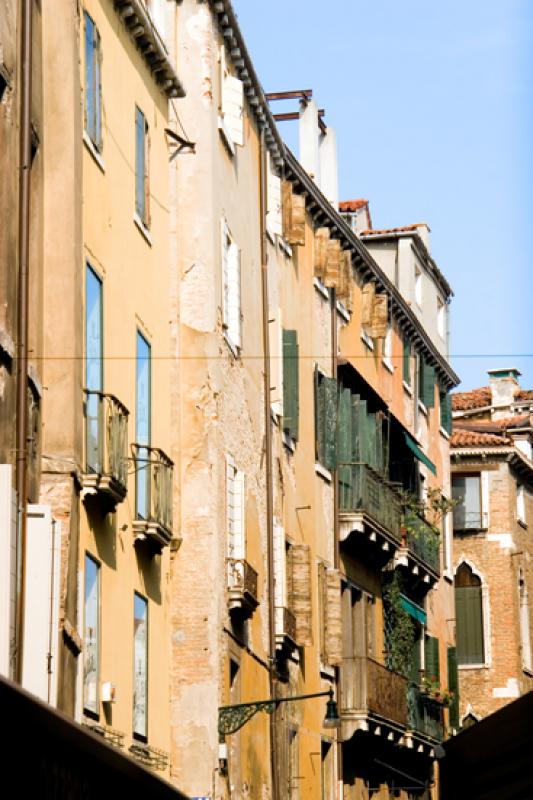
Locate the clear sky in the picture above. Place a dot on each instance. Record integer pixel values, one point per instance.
(432, 105)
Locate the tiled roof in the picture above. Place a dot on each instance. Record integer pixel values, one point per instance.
(352, 205)
(403, 229)
(478, 398)
(463, 438)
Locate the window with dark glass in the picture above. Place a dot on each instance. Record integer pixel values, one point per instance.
(91, 635)
(142, 159)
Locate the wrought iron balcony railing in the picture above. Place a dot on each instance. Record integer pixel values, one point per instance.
(425, 715)
(106, 446)
(369, 687)
(362, 490)
(422, 540)
(242, 586)
(469, 520)
(153, 501)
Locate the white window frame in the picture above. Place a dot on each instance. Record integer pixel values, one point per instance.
(235, 510)
(521, 504)
(231, 118)
(387, 350)
(231, 289)
(485, 610)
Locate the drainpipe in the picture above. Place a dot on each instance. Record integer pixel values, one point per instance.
(268, 464)
(21, 457)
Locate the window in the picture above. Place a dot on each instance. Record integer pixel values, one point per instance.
(418, 286)
(231, 294)
(469, 617)
(140, 668)
(387, 349)
(93, 370)
(291, 398)
(525, 633)
(521, 504)
(326, 403)
(407, 361)
(466, 489)
(231, 121)
(142, 166)
(93, 83)
(441, 318)
(235, 511)
(426, 383)
(143, 426)
(91, 636)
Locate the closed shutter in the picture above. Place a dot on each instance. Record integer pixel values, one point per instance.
(428, 385)
(330, 422)
(233, 108)
(431, 656)
(273, 201)
(321, 252)
(446, 411)
(319, 416)
(380, 317)
(453, 686)
(407, 361)
(469, 625)
(357, 450)
(300, 601)
(333, 618)
(224, 251)
(286, 207)
(344, 444)
(290, 383)
(234, 294)
(344, 289)
(139, 163)
(414, 668)
(333, 264)
(369, 291)
(371, 443)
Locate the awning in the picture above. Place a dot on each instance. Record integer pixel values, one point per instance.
(414, 448)
(413, 610)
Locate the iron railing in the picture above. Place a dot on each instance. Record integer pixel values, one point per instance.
(369, 686)
(285, 623)
(242, 577)
(425, 715)
(106, 436)
(469, 520)
(422, 539)
(153, 469)
(361, 489)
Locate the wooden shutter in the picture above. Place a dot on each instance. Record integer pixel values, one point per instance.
(139, 163)
(371, 444)
(233, 108)
(414, 667)
(300, 601)
(357, 454)
(224, 248)
(344, 447)
(321, 252)
(446, 411)
(380, 317)
(453, 686)
(333, 618)
(273, 201)
(344, 288)
(407, 361)
(369, 290)
(431, 654)
(290, 383)
(330, 422)
(333, 263)
(319, 416)
(428, 385)
(297, 231)
(469, 625)
(286, 207)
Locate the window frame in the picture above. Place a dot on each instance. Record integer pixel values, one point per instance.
(93, 116)
(137, 735)
(92, 710)
(521, 512)
(94, 378)
(142, 169)
(470, 662)
(139, 435)
(472, 528)
(231, 289)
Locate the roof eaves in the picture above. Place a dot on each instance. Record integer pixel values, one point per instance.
(411, 322)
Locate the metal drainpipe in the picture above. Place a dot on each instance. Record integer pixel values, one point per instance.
(268, 464)
(22, 319)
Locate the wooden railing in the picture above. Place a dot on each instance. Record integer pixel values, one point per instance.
(370, 687)
(106, 436)
(361, 489)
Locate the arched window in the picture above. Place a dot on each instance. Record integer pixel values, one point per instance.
(525, 637)
(469, 616)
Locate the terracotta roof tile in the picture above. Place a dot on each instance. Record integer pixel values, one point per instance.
(403, 229)
(478, 398)
(352, 205)
(492, 425)
(463, 438)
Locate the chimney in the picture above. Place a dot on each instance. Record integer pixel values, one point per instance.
(423, 230)
(308, 139)
(504, 387)
(329, 173)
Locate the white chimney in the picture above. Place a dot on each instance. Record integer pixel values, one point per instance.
(308, 140)
(504, 387)
(329, 172)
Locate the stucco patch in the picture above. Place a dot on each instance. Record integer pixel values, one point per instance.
(505, 540)
(511, 690)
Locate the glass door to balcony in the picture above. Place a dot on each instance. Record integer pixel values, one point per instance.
(94, 373)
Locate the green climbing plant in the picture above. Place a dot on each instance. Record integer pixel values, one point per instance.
(399, 628)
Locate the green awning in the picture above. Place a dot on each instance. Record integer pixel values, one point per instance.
(413, 610)
(414, 448)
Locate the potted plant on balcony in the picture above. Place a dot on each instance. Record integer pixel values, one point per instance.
(430, 688)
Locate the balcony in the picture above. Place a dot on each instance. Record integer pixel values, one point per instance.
(363, 492)
(425, 715)
(106, 448)
(371, 692)
(285, 628)
(422, 542)
(242, 587)
(153, 502)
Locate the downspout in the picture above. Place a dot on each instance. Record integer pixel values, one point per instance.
(268, 464)
(21, 457)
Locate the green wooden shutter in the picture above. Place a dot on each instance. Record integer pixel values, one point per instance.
(344, 446)
(331, 401)
(371, 440)
(356, 433)
(469, 625)
(431, 653)
(414, 669)
(290, 383)
(407, 361)
(445, 411)
(319, 417)
(428, 385)
(453, 686)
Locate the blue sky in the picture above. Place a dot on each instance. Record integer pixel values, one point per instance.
(432, 105)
